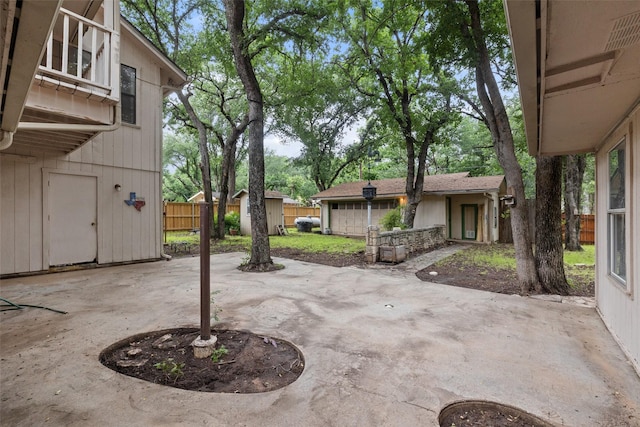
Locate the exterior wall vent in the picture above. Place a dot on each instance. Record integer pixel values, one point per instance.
(625, 33)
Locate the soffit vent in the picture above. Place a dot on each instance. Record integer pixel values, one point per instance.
(626, 32)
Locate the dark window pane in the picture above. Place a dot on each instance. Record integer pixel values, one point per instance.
(616, 177)
(128, 93)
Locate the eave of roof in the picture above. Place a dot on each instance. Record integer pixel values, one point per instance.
(269, 194)
(457, 183)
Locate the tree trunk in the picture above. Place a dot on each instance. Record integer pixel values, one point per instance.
(498, 123)
(574, 174)
(228, 169)
(260, 249)
(232, 180)
(549, 256)
(228, 156)
(205, 164)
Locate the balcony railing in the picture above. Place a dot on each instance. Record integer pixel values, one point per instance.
(81, 56)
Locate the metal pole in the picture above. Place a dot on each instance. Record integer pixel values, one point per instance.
(205, 285)
(368, 213)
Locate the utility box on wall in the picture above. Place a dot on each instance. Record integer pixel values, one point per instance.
(393, 253)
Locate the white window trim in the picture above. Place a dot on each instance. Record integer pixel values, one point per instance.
(622, 283)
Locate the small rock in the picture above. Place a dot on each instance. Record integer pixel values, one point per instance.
(433, 273)
(164, 342)
(131, 363)
(134, 351)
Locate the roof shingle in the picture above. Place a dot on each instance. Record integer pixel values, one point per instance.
(446, 183)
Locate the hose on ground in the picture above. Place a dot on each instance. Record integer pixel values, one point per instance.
(14, 306)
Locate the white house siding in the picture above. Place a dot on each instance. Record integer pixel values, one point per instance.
(130, 156)
(620, 307)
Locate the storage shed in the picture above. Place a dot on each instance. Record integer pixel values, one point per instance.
(275, 211)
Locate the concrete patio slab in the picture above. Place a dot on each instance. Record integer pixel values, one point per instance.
(381, 347)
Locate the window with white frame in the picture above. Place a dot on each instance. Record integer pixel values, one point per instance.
(616, 213)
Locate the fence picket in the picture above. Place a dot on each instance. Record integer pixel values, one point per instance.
(182, 216)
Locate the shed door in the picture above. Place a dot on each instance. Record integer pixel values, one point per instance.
(73, 235)
(469, 221)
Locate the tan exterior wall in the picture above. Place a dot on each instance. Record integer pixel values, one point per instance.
(130, 156)
(350, 219)
(431, 211)
(619, 305)
(487, 230)
(275, 215)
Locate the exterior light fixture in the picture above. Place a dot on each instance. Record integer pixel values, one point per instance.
(118, 187)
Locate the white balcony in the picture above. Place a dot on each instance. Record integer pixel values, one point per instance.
(81, 57)
(74, 93)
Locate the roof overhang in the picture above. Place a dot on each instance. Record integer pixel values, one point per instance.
(461, 192)
(173, 76)
(358, 197)
(25, 33)
(578, 69)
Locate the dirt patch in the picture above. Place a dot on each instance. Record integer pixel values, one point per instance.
(482, 414)
(250, 364)
(324, 258)
(455, 270)
(463, 271)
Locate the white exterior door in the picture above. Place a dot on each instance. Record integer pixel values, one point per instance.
(73, 236)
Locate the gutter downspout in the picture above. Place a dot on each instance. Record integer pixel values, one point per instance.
(6, 139)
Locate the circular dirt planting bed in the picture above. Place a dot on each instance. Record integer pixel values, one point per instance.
(483, 413)
(241, 363)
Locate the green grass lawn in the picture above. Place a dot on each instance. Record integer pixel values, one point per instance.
(504, 257)
(579, 266)
(309, 242)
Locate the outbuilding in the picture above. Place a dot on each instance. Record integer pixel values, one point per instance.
(274, 206)
(467, 206)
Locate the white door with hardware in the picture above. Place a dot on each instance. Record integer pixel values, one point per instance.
(73, 231)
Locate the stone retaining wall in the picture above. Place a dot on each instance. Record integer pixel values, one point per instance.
(412, 239)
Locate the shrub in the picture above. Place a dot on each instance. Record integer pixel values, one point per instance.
(232, 220)
(393, 218)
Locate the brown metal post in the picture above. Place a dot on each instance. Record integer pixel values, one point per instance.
(205, 285)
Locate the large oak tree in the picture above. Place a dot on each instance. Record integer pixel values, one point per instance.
(387, 63)
(473, 37)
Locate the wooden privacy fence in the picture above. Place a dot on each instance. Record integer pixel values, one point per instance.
(186, 216)
(587, 226)
(587, 229)
(291, 212)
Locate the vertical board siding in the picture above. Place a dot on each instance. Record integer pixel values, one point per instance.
(7, 213)
(293, 212)
(35, 215)
(180, 216)
(21, 224)
(130, 156)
